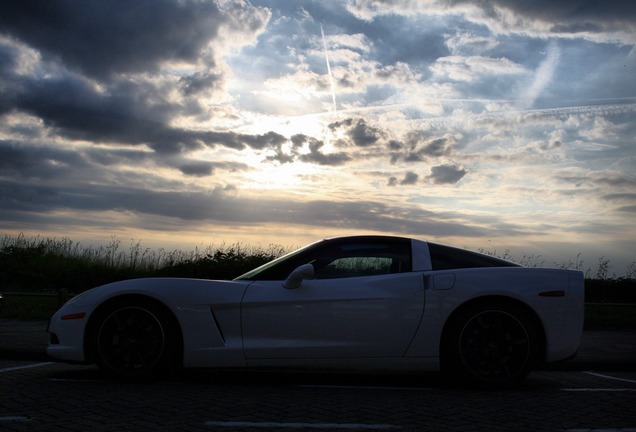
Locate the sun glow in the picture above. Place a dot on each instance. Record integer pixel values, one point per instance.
(284, 177)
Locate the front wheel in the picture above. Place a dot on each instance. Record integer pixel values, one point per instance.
(135, 340)
(491, 345)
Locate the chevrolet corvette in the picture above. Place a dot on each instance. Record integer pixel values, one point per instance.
(359, 302)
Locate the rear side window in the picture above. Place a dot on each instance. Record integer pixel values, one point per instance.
(447, 258)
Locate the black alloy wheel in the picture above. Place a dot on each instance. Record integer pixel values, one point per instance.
(493, 346)
(135, 341)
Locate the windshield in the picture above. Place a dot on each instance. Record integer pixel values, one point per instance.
(253, 274)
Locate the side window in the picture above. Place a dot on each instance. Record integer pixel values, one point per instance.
(447, 258)
(361, 259)
(355, 266)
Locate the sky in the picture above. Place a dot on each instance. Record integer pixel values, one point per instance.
(492, 125)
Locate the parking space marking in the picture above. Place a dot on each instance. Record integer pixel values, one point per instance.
(14, 419)
(269, 425)
(15, 368)
(609, 377)
(352, 387)
(603, 430)
(627, 390)
(75, 380)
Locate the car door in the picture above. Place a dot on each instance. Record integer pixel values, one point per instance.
(364, 302)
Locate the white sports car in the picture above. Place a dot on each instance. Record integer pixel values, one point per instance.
(372, 302)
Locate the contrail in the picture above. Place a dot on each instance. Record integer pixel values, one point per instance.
(333, 84)
(542, 77)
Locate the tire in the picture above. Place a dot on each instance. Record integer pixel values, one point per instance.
(135, 340)
(491, 345)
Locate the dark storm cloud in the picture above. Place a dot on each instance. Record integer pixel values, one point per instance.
(446, 174)
(102, 38)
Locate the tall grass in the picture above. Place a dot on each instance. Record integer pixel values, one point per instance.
(599, 271)
(44, 265)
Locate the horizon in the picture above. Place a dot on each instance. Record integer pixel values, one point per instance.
(490, 126)
(136, 250)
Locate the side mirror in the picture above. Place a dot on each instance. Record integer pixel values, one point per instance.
(295, 279)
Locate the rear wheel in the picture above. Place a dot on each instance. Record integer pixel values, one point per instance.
(492, 345)
(135, 340)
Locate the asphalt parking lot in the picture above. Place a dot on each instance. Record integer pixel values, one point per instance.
(596, 392)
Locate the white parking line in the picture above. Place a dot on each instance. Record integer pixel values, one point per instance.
(602, 430)
(25, 367)
(269, 425)
(352, 387)
(14, 419)
(626, 390)
(609, 377)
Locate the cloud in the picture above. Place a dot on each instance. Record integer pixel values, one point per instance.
(359, 131)
(44, 163)
(447, 174)
(121, 73)
(182, 208)
(315, 155)
(102, 39)
(200, 82)
(575, 16)
(127, 114)
(410, 178)
(602, 21)
(197, 168)
(418, 146)
(459, 68)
